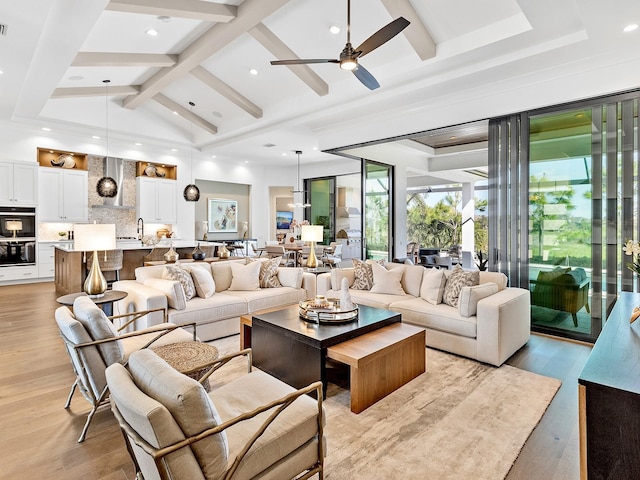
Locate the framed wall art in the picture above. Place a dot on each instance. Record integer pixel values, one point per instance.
(223, 215)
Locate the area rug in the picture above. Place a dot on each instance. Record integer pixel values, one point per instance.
(459, 420)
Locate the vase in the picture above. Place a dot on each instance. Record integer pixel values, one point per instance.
(223, 251)
(171, 256)
(198, 253)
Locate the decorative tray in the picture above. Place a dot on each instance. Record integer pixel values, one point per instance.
(329, 312)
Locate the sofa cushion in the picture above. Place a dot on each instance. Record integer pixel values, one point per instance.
(176, 272)
(337, 274)
(265, 298)
(440, 317)
(458, 279)
(99, 327)
(188, 403)
(470, 296)
(432, 287)
(376, 300)
(220, 306)
(290, 277)
(363, 275)
(387, 281)
(202, 279)
(172, 290)
(411, 277)
(245, 277)
(499, 278)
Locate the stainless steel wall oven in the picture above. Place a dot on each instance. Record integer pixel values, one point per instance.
(17, 236)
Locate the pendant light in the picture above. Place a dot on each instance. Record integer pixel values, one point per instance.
(107, 187)
(298, 195)
(191, 192)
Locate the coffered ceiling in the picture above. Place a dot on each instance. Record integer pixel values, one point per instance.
(56, 54)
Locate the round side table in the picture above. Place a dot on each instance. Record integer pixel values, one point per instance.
(191, 358)
(105, 302)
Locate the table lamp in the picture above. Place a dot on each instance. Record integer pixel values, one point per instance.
(312, 234)
(93, 237)
(15, 225)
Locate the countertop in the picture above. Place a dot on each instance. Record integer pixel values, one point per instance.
(137, 245)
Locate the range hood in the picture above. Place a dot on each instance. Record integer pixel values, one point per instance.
(347, 212)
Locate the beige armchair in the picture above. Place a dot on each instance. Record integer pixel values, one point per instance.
(255, 426)
(93, 343)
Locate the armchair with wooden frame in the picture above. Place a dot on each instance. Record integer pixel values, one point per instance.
(93, 343)
(253, 426)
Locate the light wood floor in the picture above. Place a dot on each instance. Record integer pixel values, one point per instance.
(38, 437)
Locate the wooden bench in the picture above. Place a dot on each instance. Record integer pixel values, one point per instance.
(381, 361)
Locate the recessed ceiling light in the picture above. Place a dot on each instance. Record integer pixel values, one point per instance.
(152, 32)
(174, 149)
(246, 161)
(175, 113)
(253, 71)
(334, 29)
(315, 148)
(631, 27)
(216, 114)
(75, 78)
(96, 137)
(284, 154)
(452, 137)
(213, 156)
(164, 19)
(137, 144)
(46, 129)
(1, 72)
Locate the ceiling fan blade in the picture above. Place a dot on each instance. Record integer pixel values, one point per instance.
(382, 36)
(365, 77)
(302, 61)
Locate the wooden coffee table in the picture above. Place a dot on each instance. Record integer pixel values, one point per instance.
(295, 351)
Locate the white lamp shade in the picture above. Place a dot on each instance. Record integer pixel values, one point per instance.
(312, 233)
(90, 237)
(13, 225)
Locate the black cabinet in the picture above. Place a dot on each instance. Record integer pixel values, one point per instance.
(609, 396)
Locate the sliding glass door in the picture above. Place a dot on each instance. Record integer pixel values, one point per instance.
(378, 207)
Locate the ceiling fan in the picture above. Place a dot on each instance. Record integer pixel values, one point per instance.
(349, 56)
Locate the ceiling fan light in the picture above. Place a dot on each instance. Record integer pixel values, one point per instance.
(348, 64)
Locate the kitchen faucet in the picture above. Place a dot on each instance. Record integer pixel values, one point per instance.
(140, 229)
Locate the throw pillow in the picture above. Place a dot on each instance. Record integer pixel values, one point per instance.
(432, 287)
(290, 277)
(171, 289)
(188, 403)
(245, 277)
(176, 272)
(470, 296)
(268, 276)
(364, 275)
(386, 281)
(203, 281)
(458, 279)
(411, 276)
(99, 327)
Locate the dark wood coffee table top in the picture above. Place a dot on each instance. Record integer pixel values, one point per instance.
(289, 323)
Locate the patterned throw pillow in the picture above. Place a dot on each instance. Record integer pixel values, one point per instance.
(176, 272)
(458, 279)
(364, 275)
(269, 273)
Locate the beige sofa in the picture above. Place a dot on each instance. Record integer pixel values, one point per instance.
(491, 322)
(218, 315)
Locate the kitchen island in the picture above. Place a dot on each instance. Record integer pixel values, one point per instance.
(70, 269)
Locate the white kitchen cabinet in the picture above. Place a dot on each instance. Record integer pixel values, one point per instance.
(62, 195)
(46, 258)
(18, 184)
(156, 200)
(18, 274)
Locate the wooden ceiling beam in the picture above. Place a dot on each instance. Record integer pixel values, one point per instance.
(185, 113)
(416, 33)
(281, 51)
(250, 13)
(76, 92)
(224, 89)
(114, 59)
(195, 9)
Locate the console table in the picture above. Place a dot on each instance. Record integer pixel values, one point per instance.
(609, 398)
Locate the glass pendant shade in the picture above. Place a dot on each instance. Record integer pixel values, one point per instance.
(191, 193)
